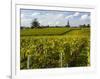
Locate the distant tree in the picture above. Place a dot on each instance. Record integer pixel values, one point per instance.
(80, 25)
(35, 23)
(21, 27)
(56, 26)
(83, 26)
(48, 26)
(68, 25)
(88, 25)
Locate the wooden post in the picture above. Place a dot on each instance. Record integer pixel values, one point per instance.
(61, 59)
(28, 61)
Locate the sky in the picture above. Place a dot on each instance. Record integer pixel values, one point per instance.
(54, 18)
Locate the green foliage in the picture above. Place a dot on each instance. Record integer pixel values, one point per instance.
(69, 50)
(68, 25)
(85, 26)
(35, 23)
(44, 31)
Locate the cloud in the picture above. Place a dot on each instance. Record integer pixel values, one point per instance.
(35, 14)
(53, 18)
(84, 17)
(59, 15)
(26, 22)
(57, 23)
(76, 14)
(73, 15)
(70, 16)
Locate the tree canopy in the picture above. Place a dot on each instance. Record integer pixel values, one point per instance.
(35, 23)
(68, 25)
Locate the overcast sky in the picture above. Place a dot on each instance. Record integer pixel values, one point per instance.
(54, 18)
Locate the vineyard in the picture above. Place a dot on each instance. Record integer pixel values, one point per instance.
(54, 48)
(44, 31)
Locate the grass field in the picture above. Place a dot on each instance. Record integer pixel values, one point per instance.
(44, 31)
(54, 47)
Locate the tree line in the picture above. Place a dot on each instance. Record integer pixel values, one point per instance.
(35, 24)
